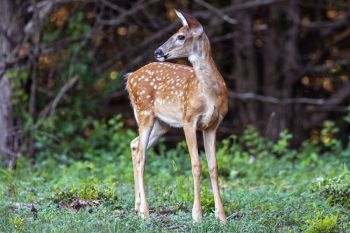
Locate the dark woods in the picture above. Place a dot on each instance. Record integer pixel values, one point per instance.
(286, 62)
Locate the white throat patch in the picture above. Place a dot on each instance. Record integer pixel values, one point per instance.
(192, 58)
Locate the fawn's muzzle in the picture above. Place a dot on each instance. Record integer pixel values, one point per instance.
(158, 53)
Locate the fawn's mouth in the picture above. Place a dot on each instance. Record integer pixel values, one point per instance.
(162, 58)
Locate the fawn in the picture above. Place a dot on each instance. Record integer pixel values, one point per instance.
(165, 95)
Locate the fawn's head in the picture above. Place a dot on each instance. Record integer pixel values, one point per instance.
(183, 42)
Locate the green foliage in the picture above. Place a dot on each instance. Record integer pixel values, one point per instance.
(183, 186)
(281, 146)
(207, 199)
(80, 138)
(265, 186)
(328, 136)
(347, 117)
(253, 142)
(89, 192)
(336, 189)
(18, 78)
(17, 223)
(76, 25)
(322, 224)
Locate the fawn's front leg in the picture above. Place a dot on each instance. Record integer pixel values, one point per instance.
(190, 134)
(209, 137)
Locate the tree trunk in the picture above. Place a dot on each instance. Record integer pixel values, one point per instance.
(245, 74)
(268, 67)
(10, 36)
(281, 64)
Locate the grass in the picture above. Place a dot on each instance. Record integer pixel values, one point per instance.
(261, 193)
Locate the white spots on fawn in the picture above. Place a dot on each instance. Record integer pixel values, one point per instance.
(161, 84)
(142, 92)
(150, 72)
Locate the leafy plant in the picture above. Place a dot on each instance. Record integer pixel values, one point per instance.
(282, 144)
(89, 192)
(253, 142)
(322, 224)
(328, 135)
(17, 223)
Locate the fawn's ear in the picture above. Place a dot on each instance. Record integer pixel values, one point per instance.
(182, 18)
(190, 22)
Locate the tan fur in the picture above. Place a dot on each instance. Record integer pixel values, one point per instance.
(173, 90)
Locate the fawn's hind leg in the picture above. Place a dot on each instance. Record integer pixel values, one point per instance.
(159, 129)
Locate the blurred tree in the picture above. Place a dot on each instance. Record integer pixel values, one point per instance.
(11, 35)
(245, 74)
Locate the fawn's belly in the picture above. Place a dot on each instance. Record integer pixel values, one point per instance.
(174, 116)
(171, 114)
(173, 122)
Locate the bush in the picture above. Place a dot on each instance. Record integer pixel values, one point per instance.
(81, 138)
(336, 189)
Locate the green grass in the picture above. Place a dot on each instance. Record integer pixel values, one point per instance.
(266, 195)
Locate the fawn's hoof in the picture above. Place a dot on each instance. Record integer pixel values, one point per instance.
(144, 214)
(221, 217)
(137, 207)
(144, 211)
(197, 214)
(222, 220)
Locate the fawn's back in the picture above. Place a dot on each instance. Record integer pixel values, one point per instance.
(163, 89)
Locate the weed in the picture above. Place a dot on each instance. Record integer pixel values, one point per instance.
(322, 224)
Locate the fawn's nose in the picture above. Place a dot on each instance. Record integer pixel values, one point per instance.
(159, 53)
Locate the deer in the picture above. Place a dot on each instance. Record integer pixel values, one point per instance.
(165, 95)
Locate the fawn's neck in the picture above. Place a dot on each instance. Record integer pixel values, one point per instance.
(204, 66)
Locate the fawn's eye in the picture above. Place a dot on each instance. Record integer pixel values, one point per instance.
(180, 37)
